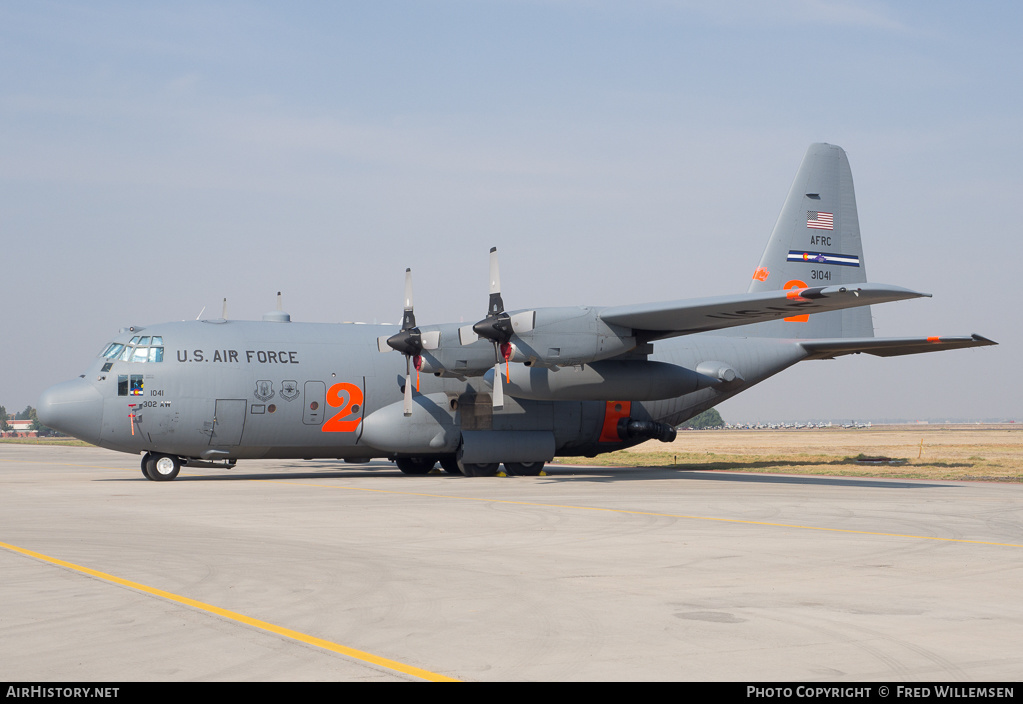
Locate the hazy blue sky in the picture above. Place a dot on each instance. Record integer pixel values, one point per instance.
(156, 158)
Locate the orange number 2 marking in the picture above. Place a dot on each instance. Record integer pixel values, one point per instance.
(348, 397)
(796, 283)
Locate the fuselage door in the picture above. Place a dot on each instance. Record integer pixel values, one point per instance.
(228, 422)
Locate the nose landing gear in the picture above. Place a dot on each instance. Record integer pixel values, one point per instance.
(160, 468)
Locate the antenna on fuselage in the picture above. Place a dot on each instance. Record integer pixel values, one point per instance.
(223, 313)
(277, 316)
(201, 312)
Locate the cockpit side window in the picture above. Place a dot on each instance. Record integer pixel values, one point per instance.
(112, 350)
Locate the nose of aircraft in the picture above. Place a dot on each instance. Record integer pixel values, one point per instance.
(74, 407)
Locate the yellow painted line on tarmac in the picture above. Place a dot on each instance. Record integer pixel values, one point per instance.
(241, 618)
(655, 514)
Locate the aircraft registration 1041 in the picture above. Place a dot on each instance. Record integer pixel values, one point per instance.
(517, 388)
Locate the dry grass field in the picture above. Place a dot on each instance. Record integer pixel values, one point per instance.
(969, 452)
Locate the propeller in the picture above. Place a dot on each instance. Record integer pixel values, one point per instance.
(409, 341)
(497, 327)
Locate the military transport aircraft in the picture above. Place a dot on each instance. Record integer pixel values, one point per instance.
(516, 388)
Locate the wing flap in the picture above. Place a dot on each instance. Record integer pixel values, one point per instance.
(686, 317)
(890, 346)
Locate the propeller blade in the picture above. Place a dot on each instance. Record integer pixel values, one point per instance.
(496, 303)
(408, 320)
(498, 388)
(466, 336)
(431, 340)
(407, 403)
(523, 322)
(409, 342)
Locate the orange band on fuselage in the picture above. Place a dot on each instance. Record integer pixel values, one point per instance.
(614, 411)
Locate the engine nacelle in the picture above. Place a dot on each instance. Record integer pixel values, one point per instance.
(547, 337)
(430, 429)
(444, 354)
(569, 337)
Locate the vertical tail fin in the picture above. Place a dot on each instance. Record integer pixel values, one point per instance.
(816, 242)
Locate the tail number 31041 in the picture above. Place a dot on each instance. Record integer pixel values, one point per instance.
(347, 398)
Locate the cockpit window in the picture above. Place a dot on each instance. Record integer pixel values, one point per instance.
(140, 349)
(112, 350)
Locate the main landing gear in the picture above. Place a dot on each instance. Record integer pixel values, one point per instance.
(420, 466)
(414, 465)
(159, 467)
(514, 469)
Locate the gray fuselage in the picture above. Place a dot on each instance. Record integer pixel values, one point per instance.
(245, 389)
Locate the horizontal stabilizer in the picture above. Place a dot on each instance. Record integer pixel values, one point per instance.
(686, 317)
(890, 346)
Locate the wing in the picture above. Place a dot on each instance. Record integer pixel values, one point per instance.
(890, 346)
(671, 318)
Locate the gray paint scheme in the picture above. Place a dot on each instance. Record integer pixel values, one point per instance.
(229, 390)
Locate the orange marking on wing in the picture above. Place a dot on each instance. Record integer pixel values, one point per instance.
(794, 288)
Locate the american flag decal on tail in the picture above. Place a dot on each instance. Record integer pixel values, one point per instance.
(819, 220)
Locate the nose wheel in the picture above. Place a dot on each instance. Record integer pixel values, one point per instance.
(160, 468)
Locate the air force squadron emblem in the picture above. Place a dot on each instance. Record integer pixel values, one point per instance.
(289, 390)
(264, 390)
